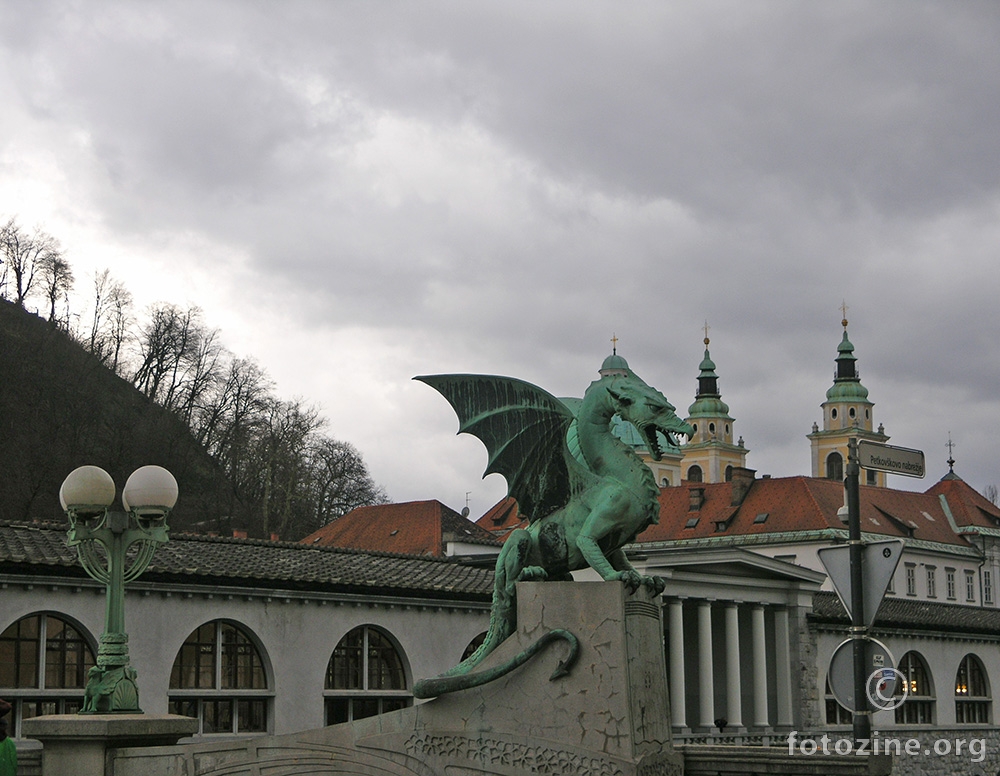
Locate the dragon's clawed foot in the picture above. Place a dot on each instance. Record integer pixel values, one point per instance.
(655, 584)
(532, 574)
(634, 580)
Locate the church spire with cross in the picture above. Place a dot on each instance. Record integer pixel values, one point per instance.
(847, 414)
(951, 460)
(711, 455)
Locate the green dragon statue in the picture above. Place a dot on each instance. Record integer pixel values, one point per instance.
(585, 493)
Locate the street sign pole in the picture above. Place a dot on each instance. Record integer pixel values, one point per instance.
(862, 717)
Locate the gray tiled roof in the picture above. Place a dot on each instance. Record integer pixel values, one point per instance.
(908, 614)
(41, 548)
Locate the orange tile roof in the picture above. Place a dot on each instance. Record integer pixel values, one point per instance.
(410, 528)
(796, 504)
(969, 507)
(502, 518)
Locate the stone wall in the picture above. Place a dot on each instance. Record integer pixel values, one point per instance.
(932, 754)
(810, 687)
(765, 761)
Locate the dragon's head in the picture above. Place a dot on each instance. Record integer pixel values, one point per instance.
(649, 411)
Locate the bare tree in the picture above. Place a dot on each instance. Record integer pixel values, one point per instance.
(991, 494)
(56, 281)
(111, 320)
(340, 480)
(169, 346)
(284, 473)
(25, 257)
(226, 420)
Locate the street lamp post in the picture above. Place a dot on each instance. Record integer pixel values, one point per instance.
(104, 540)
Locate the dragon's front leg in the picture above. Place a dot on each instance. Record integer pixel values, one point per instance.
(631, 576)
(606, 519)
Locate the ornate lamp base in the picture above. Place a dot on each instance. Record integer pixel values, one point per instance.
(111, 685)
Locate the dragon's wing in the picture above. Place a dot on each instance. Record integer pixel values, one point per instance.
(524, 430)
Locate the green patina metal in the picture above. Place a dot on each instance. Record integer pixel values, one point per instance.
(708, 402)
(846, 382)
(103, 540)
(583, 504)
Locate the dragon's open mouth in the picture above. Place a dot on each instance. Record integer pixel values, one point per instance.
(653, 441)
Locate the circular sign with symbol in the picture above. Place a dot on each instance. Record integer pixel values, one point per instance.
(841, 672)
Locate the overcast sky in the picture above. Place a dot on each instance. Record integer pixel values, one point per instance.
(358, 192)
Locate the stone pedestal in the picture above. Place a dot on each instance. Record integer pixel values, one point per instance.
(609, 717)
(79, 744)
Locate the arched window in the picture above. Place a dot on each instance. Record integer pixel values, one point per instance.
(43, 667)
(694, 474)
(834, 466)
(218, 677)
(835, 713)
(365, 677)
(918, 708)
(473, 645)
(972, 693)
(729, 474)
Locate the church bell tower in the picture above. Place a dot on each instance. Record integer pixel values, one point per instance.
(847, 414)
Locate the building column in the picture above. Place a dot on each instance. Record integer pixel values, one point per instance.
(678, 692)
(706, 685)
(783, 662)
(734, 687)
(759, 667)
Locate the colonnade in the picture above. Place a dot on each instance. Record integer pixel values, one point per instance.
(735, 643)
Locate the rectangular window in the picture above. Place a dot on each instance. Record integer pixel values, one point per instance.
(970, 585)
(987, 586)
(950, 582)
(972, 712)
(931, 582)
(911, 579)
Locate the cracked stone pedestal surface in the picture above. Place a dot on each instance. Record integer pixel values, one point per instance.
(608, 717)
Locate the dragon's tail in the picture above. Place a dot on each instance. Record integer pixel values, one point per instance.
(440, 685)
(503, 613)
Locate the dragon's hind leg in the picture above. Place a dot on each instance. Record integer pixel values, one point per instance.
(503, 613)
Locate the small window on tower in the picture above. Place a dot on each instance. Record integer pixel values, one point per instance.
(851, 412)
(833, 413)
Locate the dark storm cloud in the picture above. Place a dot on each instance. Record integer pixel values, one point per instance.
(500, 186)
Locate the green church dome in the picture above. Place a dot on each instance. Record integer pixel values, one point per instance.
(615, 362)
(847, 385)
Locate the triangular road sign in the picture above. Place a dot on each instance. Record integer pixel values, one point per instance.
(878, 564)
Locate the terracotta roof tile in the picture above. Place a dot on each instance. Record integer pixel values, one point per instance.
(502, 518)
(41, 548)
(410, 528)
(793, 504)
(968, 507)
